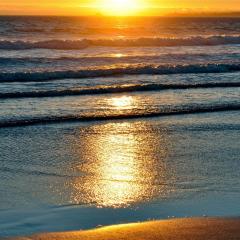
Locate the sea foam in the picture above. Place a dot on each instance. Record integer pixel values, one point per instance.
(136, 42)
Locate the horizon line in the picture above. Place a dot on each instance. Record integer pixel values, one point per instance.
(169, 14)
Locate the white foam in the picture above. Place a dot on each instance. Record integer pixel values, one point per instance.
(81, 44)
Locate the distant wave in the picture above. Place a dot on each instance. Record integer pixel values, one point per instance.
(115, 89)
(112, 59)
(120, 70)
(164, 112)
(137, 42)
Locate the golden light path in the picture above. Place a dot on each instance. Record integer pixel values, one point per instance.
(121, 163)
(118, 164)
(121, 102)
(121, 168)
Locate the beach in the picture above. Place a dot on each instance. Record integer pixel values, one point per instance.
(195, 229)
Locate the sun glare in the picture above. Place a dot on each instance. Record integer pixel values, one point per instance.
(121, 102)
(119, 7)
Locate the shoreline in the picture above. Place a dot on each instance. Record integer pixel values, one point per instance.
(177, 229)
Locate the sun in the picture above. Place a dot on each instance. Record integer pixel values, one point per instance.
(119, 7)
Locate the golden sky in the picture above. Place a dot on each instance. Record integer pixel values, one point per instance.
(114, 7)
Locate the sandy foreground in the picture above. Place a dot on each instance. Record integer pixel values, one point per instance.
(174, 229)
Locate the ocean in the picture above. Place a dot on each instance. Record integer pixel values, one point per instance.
(107, 120)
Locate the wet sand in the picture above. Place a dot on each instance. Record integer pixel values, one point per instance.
(176, 229)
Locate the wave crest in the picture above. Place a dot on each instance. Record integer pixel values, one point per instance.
(137, 42)
(194, 109)
(121, 70)
(115, 89)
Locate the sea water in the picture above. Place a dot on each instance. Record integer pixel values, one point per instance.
(116, 120)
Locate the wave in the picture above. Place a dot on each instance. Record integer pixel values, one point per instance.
(112, 59)
(136, 42)
(127, 69)
(30, 172)
(115, 89)
(165, 112)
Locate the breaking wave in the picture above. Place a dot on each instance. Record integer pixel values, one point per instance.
(193, 109)
(128, 69)
(115, 89)
(137, 42)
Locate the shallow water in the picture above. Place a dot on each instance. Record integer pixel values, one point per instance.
(71, 176)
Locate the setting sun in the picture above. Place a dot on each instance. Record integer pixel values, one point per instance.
(119, 7)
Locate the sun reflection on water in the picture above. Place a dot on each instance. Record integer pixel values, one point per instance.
(121, 102)
(118, 55)
(120, 165)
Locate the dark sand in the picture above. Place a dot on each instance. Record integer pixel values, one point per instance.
(174, 229)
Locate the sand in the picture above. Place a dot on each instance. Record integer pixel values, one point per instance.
(174, 229)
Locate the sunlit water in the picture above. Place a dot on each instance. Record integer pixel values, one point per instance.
(116, 120)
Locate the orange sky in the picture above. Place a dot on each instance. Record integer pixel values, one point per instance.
(114, 7)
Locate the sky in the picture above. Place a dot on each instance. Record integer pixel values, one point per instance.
(114, 7)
